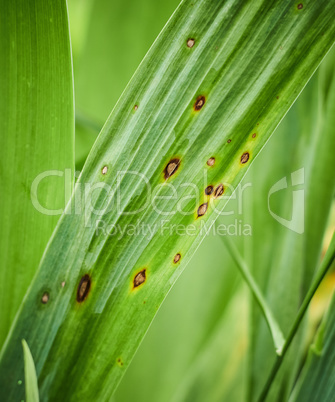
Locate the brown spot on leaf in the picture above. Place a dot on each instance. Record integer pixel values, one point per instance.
(199, 103)
(209, 190)
(245, 157)
(171, 168)
(190, 42)
(140, 278)
(104, 170)
(45, 298)
(135, 107)
(83, 288)
(254, 135)
(202, 209)
(120, 362)
(229, 141)
(300, 6)
(211, 161)
(177, 258)
(219, 190)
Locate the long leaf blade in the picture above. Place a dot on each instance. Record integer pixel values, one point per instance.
(37, 135)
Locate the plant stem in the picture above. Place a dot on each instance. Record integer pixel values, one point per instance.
(325, 265)
(277, 335)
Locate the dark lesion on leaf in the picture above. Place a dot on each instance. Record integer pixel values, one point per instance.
(211, 161)
(120, 362)
(202, 209)
(139, 278)
(45, 298)
(245, 157)
(219, 191)
(199, 103)
(190, 42)
(83, 288)
(209, 190)
(177, 258)
(171, 168)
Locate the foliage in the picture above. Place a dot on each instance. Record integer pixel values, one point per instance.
(205, 99)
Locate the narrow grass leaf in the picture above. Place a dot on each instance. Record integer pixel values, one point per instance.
(37, 135)
(276, 333)
(317, 381)
(30, 379)
(322, 271)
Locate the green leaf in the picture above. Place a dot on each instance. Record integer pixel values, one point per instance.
(175, 350)
(310, 133)
(37, 135)
(276, 333)
(317, 381)
(321, 180)
(161, 344)
(325, 266)
(246, 66)
(29, 375)
(320, 185)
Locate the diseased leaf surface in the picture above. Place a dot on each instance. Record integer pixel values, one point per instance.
(200, 105)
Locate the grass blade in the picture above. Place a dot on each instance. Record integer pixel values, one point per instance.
(318, 376)
(29, 375)
(326, 264)
(276, 333)
(310, 136)
(37, 134)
